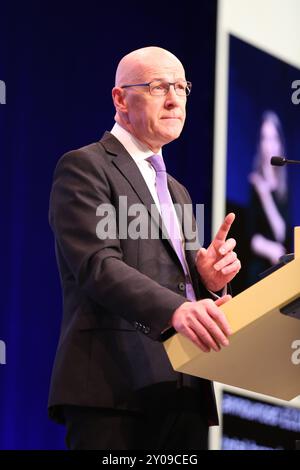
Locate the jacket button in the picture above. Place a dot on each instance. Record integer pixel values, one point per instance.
(181, 286)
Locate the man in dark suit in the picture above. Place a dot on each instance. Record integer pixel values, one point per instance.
(112, 383)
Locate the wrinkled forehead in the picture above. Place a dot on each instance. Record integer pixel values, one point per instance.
(164, 72)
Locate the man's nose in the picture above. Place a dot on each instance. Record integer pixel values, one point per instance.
(171, 97)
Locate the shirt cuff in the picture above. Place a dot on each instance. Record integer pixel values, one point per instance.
(221, 293)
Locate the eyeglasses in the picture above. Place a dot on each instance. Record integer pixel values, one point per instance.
(161, 88)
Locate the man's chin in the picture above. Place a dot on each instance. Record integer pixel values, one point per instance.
(172, 135)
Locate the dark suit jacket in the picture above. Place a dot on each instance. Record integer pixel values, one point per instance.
(118, 294)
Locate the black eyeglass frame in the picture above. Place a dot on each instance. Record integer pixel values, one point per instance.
(187, 89)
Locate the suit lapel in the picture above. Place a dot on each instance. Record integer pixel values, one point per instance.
(127, 166)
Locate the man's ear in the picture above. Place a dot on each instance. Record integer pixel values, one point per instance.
(119, 99)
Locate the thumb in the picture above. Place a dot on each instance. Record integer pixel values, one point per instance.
(223, 300)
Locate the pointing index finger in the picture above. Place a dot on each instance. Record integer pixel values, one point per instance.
(225, 227)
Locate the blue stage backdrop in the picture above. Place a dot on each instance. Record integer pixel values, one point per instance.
(58, 67)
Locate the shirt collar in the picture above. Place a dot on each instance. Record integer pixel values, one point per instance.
(136, 149)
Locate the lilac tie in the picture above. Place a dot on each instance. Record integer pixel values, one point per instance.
(169, 218)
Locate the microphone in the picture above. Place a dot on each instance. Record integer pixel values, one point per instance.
(280, 161)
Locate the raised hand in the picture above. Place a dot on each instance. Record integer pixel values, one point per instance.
(218, 264)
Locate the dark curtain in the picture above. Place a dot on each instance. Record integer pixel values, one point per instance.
(58, 64)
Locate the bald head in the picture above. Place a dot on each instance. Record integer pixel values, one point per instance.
(141, 63)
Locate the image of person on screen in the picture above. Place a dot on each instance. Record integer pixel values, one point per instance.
(113, 385)
(268, 214)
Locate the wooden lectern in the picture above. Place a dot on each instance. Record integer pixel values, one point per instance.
(264, 343)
